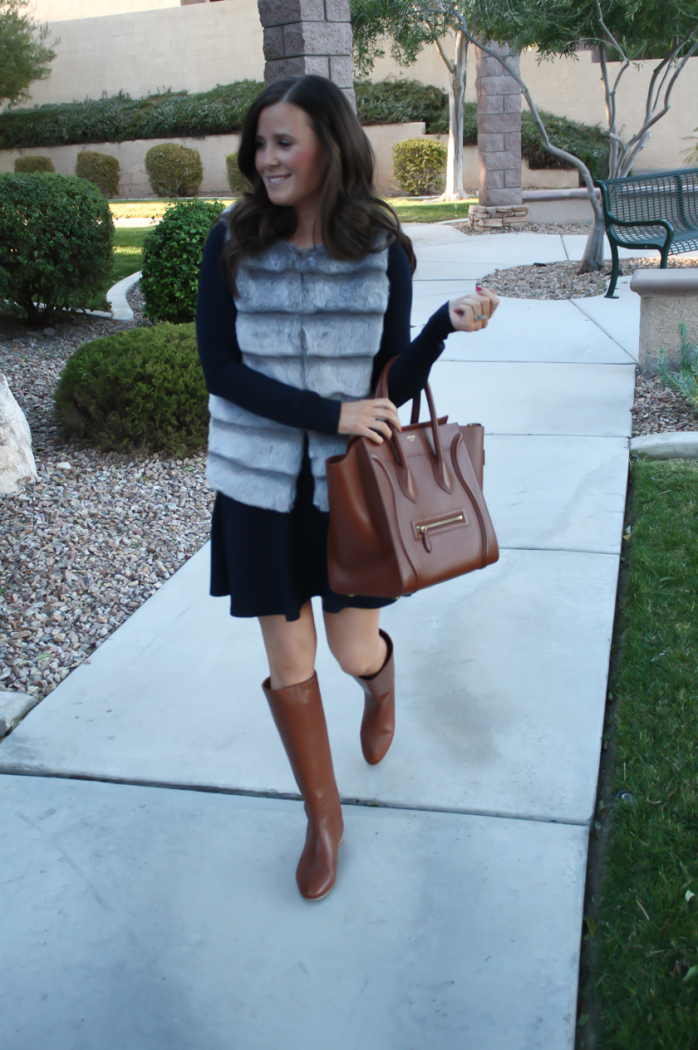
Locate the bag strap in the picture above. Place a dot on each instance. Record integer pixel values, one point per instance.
(440, 467)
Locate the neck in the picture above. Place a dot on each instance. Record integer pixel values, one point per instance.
(307, 233)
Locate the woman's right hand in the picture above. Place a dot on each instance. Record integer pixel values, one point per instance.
(368, 419)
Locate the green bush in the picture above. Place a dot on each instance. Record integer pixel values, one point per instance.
(234, 175)
(172, 254)
(419, 166)
(143, 388)
(100, 168)
(29, 165)
(174, 171)
(118, 118)
(56, 236)
(586, 142)
(401, 102)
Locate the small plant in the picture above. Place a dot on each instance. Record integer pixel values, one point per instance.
(143, 388)
(100, 168)
(234, 175)
(56, 236)
(419, 166)
(30, 165)
(691, 155)
(685, 380)
(172, 254)
(174, 171)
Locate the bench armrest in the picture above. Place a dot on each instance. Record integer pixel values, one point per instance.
(639, 222)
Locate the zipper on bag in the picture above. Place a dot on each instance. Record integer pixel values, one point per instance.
(422, 529)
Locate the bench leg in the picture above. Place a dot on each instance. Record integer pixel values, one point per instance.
(615, 272)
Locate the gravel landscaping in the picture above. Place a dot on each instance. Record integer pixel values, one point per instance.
(96, 536)
(560, 280)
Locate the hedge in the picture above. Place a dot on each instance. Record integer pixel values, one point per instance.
(56, 236)
(142, 388)
(221, 111)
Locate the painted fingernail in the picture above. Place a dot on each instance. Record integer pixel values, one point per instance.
(478, 287)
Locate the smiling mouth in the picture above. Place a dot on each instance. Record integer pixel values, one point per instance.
(275, 180)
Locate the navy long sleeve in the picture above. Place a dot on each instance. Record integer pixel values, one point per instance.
(228, 377)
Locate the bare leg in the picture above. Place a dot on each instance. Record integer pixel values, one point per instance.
(354, 641)
(366, 653)
(290, 646)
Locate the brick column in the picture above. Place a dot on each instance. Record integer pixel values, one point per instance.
(308, 36)
(498, 142)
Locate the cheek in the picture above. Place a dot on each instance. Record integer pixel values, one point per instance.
(308, 162)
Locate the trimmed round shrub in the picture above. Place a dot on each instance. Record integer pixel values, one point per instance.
(56, 236)
(173, 170)
(143, 388)
(29, 165)
(234, 175)
(100, 168)
(172, 254)
(419, 166)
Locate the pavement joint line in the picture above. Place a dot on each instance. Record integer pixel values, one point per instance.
(564, 247)
(561, 550)
(287, 796)
(575, 302)
(537, 361)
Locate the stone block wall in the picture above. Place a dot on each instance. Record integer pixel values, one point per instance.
(498, 131)
(308, 36)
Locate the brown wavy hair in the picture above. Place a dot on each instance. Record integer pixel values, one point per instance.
(350, 212)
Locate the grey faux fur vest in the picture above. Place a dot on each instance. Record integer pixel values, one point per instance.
(312, 322)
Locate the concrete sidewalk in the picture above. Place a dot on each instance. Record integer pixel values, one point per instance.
(160, 910)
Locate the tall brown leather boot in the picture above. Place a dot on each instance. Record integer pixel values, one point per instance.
(378, 724)
(299, 716)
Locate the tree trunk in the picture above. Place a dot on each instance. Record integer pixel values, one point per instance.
(457, 75)
(593, 261)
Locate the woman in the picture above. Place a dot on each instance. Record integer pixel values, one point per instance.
(305, 294)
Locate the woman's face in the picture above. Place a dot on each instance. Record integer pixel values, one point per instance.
(289, 156)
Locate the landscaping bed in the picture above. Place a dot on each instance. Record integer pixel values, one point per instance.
(561, 280)
(97, 535)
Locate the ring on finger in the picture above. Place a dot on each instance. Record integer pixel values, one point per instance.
(479, 317)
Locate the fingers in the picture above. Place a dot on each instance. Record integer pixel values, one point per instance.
(370, 419)
(471, 313)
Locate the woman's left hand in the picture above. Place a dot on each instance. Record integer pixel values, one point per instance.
(471, 313)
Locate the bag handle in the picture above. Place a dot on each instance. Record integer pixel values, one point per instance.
(440, 469)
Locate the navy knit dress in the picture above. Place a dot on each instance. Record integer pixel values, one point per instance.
(268, 562)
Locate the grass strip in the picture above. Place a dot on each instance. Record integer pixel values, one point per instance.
(644, 943)
(408, 210)
(128, 252)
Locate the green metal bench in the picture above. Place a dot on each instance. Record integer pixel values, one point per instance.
(651, 211)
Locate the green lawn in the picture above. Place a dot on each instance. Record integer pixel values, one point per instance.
(641, 960)
(128, 252)
(408, 210)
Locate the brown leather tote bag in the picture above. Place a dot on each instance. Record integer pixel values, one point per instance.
(408, 513)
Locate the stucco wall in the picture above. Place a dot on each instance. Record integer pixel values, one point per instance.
(214, 148)
(572, 88)
(189, 48)
(61, 10)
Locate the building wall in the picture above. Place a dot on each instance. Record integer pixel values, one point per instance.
(62, 10)
(571, 87)
(189, 48)
(198, 46)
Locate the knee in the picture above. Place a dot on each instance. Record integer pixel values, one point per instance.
(354, 658)
(292, 662)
